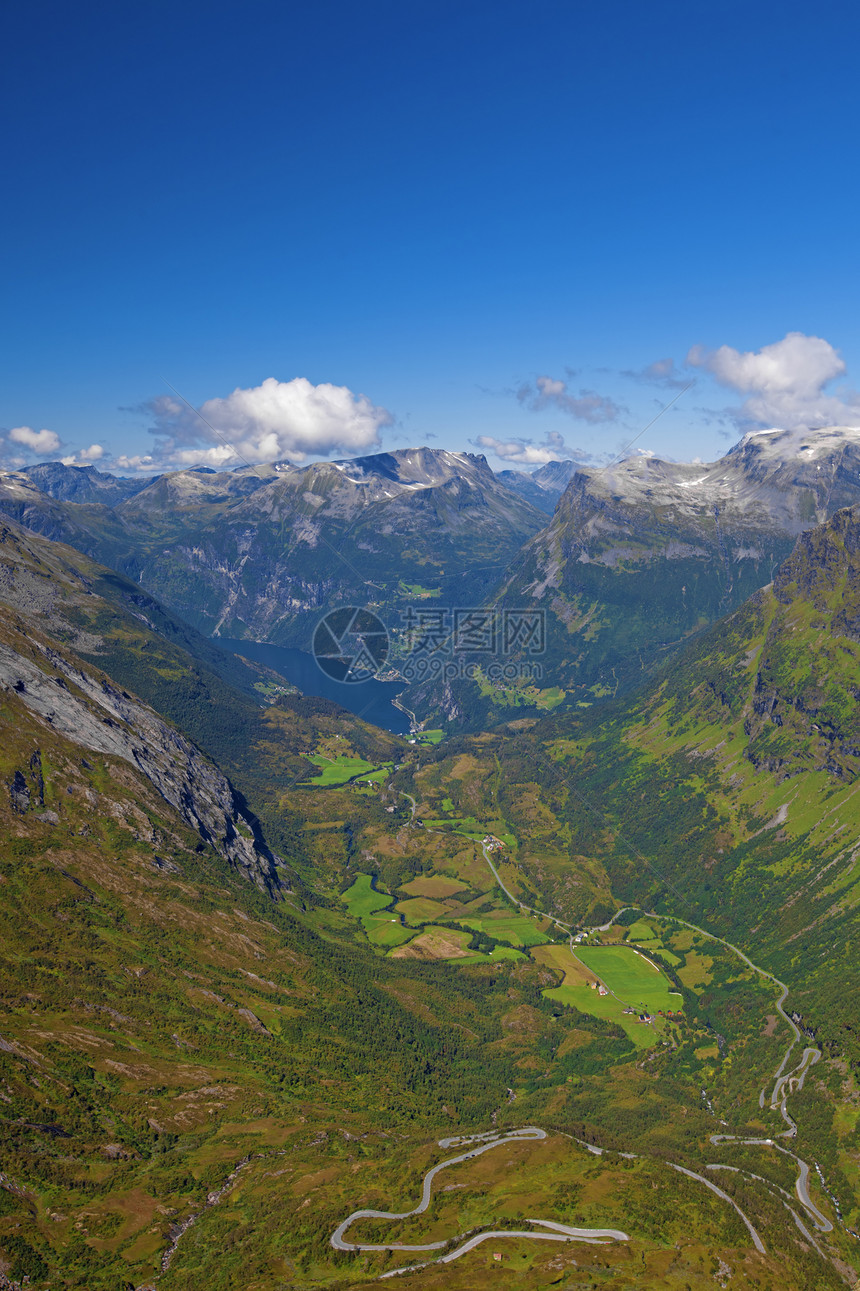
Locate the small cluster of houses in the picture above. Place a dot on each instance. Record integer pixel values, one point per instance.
(651, 1017)
(640, 1017)
(600, 988)
(492, 843)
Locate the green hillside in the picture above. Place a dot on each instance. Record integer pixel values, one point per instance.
(178, 1042)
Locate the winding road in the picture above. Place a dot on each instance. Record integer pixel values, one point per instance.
(785, 1083)
(482, 1143)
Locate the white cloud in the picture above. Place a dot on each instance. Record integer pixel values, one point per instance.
(42, 442)
(549, 392)
(662, 372)
(137, 462)
(784, 383)
(525, 452)
(39, 445)
(85, 456)
(275, 421)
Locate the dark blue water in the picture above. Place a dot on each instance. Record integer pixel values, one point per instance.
(370, 700)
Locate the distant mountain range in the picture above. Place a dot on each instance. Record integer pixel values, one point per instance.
(83, 483)
(542, 487)
(635, 558)
(260, 551)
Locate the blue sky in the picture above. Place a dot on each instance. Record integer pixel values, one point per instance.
(488, 219)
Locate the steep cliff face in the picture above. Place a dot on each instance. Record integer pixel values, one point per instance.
(86, 708)
(220, 738)
(52, 615)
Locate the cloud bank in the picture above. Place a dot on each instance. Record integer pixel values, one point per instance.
(40, 442)
(275, 421)
(84, 456)
(22, 445)
(784, 383)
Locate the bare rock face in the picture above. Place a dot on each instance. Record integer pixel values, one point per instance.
(93, 712)
(19, 794)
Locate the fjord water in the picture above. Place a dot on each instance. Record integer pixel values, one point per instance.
(370, 700)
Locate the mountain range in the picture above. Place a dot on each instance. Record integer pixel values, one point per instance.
(264, 964)
(641, 555)
(542, 487)
(635, 559)
(258, 552)
(83, 483)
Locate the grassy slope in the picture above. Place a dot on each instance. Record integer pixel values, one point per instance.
(361, 1042)
(160, 1018)
(727, 795)
(163, 1025)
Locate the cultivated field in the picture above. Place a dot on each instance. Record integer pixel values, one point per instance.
(339, 770)
(382, 927)
(631, 976)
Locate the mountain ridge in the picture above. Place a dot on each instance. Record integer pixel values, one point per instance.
(542, 487)
(83, 483)
(259, 551)
(640, 556)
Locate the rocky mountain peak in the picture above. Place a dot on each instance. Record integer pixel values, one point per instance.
(775, 480)
(83, 483)
(425, 467)
(542, 487)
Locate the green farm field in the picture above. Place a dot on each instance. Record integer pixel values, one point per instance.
(518, 929)
(386, 930)
(632, 977)
(431, 737)
(381, 926)
(420, 910)
(433, 885)
(577, 992)
(362, 899)
(342, 769)
(506, 952)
